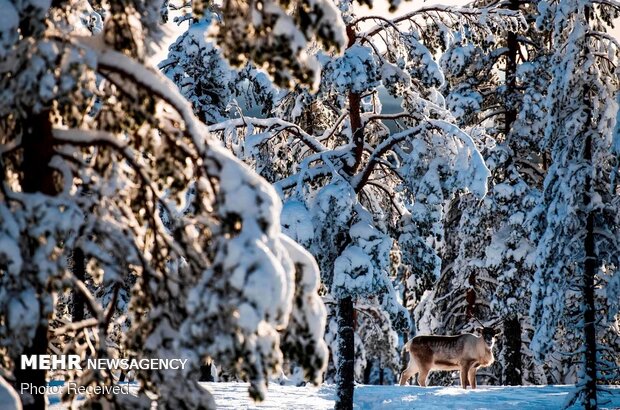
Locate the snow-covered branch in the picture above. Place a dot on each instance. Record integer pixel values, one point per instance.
(272, 125)
(463, 12)
(154, 82)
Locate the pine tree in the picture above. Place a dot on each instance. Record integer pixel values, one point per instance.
(577, 252)
(487, 257)
(362, 185)
(94, 149)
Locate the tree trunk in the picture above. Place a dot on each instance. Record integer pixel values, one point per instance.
(35, 378)
(591, 262)
(346, 352)
(205, 373)
(589, 272)
(589, 316)
(355, 117)
(78, 269)
(511, 70)
(37, 176)
(367, 371)
(471, 296)
(512, 327)
(513, 370)
(345, 374)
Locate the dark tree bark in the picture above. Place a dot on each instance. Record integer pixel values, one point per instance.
(355, 116)
(512, 44)
(38, 146)
(589, 316)
(512, 352)
(346, 350)
(367, 372)
(589, 272)
(513, 361)
(590, 263)
(36, 378)
(471, 296)
(37, 176)
(78, 269)
(205, 372)
(345, 374)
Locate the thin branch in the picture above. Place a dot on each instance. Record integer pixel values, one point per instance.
(272, 124)
(75, 326)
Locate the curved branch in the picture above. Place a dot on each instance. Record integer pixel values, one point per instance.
(309, 174)
(389, 117)
(272, 124)
(11, 146)
(91, 137)
(116, 62)
(359, 180)
(458, 11)
(389, 195)
(611, 3)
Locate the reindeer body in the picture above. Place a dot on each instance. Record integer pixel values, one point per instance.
(465, 353)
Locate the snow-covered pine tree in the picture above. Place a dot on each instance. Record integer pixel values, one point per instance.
(89, 166)
(353, 186)
(274, 34)
(486, 259)
(577, 254)
(470, 66)
(216, 90)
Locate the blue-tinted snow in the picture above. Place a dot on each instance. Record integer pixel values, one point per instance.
(235, 396)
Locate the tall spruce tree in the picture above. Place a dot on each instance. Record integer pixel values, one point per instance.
(577, 254)
(497, 86)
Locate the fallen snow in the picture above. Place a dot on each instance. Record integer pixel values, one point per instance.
(8, 397)
(235, 396)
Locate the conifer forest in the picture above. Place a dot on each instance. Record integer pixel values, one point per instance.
(296, 202)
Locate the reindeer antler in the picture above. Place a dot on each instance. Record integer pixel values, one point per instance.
(478, 320)
(493, 324)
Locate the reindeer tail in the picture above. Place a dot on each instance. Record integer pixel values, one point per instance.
(406, 347)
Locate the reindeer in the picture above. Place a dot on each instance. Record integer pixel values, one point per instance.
(465, 353)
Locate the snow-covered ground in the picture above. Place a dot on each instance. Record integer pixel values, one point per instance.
(235, 396)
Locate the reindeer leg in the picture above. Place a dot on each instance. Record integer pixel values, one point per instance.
(471, 375)
(463, 374)
(409, 372)
(423, 376)
(404, 377)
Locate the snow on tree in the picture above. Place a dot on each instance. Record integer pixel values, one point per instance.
(577, 252)
(209, 90)
(9, 399)
(206, 79)
(362, 185)
(95, 148)
(274, 34)
(509, 258)
(302, 340)
(488, 254)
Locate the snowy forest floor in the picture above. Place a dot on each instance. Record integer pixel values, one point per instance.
(235, 396)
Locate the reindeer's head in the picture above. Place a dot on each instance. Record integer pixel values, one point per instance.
(488, 334)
